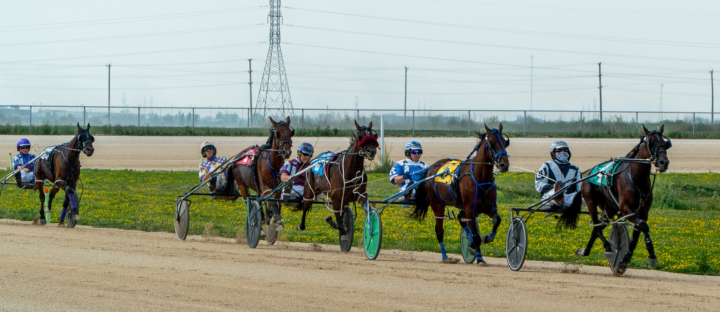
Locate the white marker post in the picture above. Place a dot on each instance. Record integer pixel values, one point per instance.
(382, 139)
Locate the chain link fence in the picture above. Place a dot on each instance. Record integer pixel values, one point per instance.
(409, 122)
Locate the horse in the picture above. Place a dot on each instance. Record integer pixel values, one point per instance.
(632, 189)
(472, 190)
(344, 179)
(264, 174)
(62, 167)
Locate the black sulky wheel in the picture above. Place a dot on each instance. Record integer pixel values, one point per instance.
(516, 244)
(253, 224)
(619, 243)
(182, 219)
(348, 219)
(468, 256)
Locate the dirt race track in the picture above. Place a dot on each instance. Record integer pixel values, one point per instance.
(46, 268)
(182, 153)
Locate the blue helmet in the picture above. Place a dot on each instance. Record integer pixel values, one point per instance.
(412, 145)
(23, 142)
(306, 148)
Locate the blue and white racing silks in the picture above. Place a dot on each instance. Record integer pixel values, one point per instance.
(408, 168)
(561, 172)
(209, 165)
(21, 159)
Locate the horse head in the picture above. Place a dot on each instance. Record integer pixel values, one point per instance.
(496, 144)
(282, 134)
(657, 147)
(85, 140)
(366, 139)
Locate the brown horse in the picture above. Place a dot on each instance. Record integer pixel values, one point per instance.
(264, 175)
(65, 172)
(632, 189)
(473, 191)
(344, 178)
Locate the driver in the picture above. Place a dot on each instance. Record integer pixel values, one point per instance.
(409, 170)
(554, 175)
(291, 167)
(27, 174)
(212, 161)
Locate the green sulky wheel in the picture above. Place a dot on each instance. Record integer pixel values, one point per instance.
(372, 235)
(468, 257)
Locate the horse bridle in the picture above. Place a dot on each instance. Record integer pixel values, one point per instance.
(662, 146)
(496, 155)
(368, 131)
(85, 134)
(282, 143)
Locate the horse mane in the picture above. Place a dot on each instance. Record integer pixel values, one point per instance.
(634, 151)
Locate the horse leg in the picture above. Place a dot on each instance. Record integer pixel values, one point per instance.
(42, 204)
(476, 241)
(645, 229)
(496, 223)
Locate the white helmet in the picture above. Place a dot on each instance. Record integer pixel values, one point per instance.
(206, 144)
(559, 145)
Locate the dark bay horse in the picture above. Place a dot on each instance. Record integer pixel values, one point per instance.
(344, 180)
(264, 176)
(65, 164)
(475, 191)
(633, 190)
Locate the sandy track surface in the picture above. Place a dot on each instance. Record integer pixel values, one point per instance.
(89, 269)
(182, 153)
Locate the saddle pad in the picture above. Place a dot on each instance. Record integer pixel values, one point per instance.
(246, 158)
(322, 159)
(450, 166)
(606, 178)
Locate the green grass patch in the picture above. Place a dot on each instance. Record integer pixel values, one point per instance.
(684, 221)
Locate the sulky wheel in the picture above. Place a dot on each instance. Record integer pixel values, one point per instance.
(516, 244)
(182, 219)
(468, 256)
(372, 234)
(348, 222)
(619, 243)
(253, 224)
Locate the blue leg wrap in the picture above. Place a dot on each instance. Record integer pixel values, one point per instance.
(73, 202)
(62, 215)
(478, 255)
(468, 233)
(492, 235)
(442, 250)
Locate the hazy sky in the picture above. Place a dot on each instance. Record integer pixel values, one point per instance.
(461, 54)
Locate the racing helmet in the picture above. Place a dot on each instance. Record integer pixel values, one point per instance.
(205, 146)
(306, 148)
(22, 143)
(412, 145)
(559, 145)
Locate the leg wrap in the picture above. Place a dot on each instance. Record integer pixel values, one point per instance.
(442, 250)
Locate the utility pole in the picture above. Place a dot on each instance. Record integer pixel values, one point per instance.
(712, 99)
(531, 80)
(600, 88)
(108, 66)
(250, 83)
(405, 110)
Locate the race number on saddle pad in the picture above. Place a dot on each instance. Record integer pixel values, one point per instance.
(323, 159)
(246, 158)
(449, 166)
(606, 178)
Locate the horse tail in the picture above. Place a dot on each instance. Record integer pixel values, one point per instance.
(422, 203)
(569, 218)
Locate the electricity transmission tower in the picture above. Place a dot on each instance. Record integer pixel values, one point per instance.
(274, 95)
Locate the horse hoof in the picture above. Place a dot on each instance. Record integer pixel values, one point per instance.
(451, 260)
(580, 252)
(609, 255)
(481, 262)
(43, 221)
(299, 228)
(61, 224)
(653, 262)
(487, 239)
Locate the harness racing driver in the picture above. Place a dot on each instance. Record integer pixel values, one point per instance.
(409, 170)
(555, 174)
(212, 161)
(291, 167)
(27, 175)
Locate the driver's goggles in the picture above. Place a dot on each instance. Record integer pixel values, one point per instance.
(301, 153)
(416, 152)
(558, 150)
(25, 147)
(207, 148)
